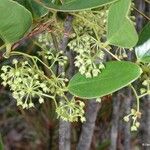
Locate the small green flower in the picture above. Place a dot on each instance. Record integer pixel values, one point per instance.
(41, 100)
(133, 111)
(135, 115)
(142, 90)
(25, 83)
(15, 61)
(133, 128)
(89, 57)
(71, 110)
(126, 119)
(98, 100)
(137, 124)
(83, 119)
(95, 72)
(145, 83)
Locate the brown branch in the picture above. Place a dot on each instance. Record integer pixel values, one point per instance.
(37, 30)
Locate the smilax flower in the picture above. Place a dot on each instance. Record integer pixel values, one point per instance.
(71, 110)
(25, 83)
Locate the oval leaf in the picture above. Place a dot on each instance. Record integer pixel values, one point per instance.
(15, 21)
(74, 5)
(121, 31)
(142, 49)
(115, 76)
(36, 9)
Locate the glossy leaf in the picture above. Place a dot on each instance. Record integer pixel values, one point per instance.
(121, 31)
(115, 76)
(74, 5)
(142, 49)
(15, 21)
(36, 9)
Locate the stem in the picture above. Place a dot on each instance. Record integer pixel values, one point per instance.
(137, 97)
(147, 1)
(52, 97)
(33, 58)
(26, 55)
(112, 54)
(105, 49)
(145, 94)
(8, 51)
(44, 64)
(3, 46)
(104, 45)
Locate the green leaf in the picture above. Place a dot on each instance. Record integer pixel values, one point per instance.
(36, 9)
(142, 49)
(115, 76)
(121, 31)
(74, 5)
(15, 21)
(144, 35)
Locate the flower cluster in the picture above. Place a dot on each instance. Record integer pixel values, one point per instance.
(89, 57)
(135, 116)
(45, 40)
(146, 86)
(88, 39)
(91, 21)
(145, 79)
(71, 110)
(56, 57)
(49, 52)
(121, 53)
(57, 85)
(25, 83)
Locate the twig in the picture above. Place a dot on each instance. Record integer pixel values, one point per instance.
(37, 30)
(141, 13)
